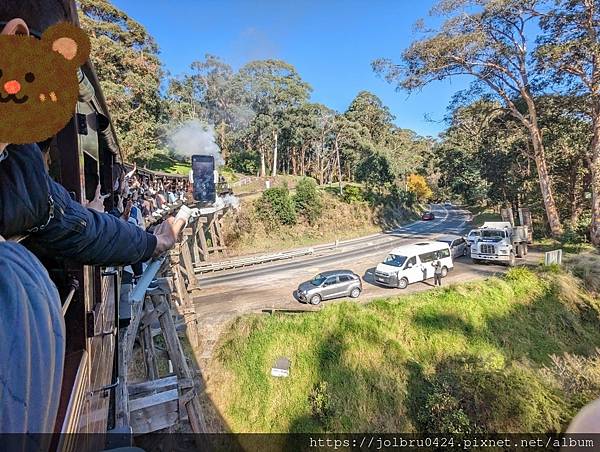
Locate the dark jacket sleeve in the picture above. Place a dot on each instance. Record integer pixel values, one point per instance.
(85, 236)
(23, 190)
(32, 344)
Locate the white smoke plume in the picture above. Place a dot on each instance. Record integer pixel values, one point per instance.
(232, 201)
(227, 201)
(194, 137)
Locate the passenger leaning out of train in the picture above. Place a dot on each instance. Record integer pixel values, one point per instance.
(33, 204)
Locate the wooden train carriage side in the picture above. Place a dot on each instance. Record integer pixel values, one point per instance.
(82, 155)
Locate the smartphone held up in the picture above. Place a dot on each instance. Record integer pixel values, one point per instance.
(204, 179)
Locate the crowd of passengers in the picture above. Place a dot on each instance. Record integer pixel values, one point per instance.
(142, 199)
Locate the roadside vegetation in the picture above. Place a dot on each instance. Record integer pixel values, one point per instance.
(512, 354)
(281, 219)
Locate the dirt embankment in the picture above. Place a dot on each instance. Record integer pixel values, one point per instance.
(246, 234)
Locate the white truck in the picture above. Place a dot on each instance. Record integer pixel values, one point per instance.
(500, 242)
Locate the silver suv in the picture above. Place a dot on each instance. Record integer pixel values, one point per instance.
(330, 284)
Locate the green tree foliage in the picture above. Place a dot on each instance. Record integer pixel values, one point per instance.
(307, 200)
(375, 171)
(275, 207)
(126, 60)
(486, 40)
(570, 49)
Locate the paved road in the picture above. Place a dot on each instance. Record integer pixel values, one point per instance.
(226, 294)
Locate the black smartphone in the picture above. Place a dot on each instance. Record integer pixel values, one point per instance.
(203, 170)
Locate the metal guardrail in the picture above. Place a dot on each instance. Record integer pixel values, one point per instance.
(209, 267)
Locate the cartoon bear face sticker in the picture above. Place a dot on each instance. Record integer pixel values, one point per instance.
(38, 82)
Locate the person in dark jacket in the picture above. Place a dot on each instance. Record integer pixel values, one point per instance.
(32, 343)
(32, 203)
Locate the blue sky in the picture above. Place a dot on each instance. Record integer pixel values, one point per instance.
(330, 42)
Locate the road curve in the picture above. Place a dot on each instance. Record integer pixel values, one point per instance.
(448, 221)
(228, 294)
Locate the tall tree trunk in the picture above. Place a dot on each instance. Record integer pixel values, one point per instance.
(294, 162)
(545, 185)
(339, 165)
(539, 154)
(594, 164)
(274, 171)
(222, 143)
(574, 198)
(263, 171)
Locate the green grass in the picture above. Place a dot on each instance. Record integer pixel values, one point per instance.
(481, 216)
(166, 164)
(548, 244)
(467, 355)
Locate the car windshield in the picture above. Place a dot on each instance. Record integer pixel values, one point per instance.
(395, 260)
(492, 234)
(318, 280)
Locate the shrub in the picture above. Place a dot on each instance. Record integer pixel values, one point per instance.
(307, 200)
(471, 395)
(320, 403)
(442, 413)
(418, 185)
(228, 174)
(578, 376)
(352, 194)
(403, 198)
(275, 207)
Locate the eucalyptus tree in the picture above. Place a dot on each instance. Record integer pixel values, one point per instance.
(269, 87)
(570, 47)
(486, 40)
(126, 60)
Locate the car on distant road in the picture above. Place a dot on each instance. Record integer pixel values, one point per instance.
(458, 245)
(328, 285)
(427, 216)
(448, 204)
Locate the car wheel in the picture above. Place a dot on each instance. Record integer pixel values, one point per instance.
(355, 292)
(315, 299)
(403, 283)
(444, 272)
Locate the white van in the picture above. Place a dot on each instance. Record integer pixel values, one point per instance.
(413, 263)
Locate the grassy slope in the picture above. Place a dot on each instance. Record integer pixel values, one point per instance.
(165, 164)
(379, 359)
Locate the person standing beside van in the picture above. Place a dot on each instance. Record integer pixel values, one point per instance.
(437, 273)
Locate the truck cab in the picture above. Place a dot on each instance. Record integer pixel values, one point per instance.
(500, 242)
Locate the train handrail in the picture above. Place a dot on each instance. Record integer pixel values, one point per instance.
(140, 289)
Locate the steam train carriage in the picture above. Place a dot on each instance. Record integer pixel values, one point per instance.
(86, 152)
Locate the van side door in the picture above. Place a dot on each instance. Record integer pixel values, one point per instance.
(412, 270)
(427, 265)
